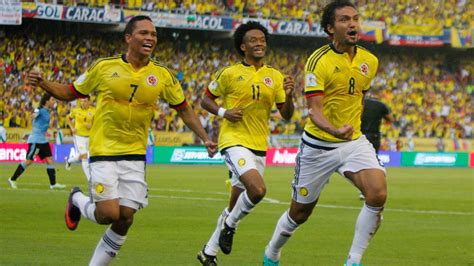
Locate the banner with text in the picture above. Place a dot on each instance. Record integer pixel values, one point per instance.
(163, 138)
(10, 12)
(184, 155)
(445, 159)
(16, 152)
(65, 150)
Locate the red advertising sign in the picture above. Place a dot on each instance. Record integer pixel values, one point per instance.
(471, 159)
(284, 156)
(16, 152)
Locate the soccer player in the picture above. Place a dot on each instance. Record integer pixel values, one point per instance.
(336, 77)
(249, 90)
(373, 113)
(128, 87)
(38, 144)
(80, 122)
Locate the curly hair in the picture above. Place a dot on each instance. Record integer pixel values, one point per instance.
(242, 29)
(329, 13)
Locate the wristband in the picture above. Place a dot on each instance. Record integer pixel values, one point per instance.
(221, 112)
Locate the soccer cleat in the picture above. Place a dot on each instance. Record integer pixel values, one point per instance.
(226, 237)
(67, 164)
(57, 186)
(268, 262)
(72, 216)
(205, 259)
(12, 183)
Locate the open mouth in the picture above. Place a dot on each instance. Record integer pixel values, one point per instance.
(352, 33)
(148, 46)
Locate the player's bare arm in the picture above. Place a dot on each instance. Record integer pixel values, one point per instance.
(315, 107)
(190, 119)
(58, 90)
(233, 115)
(287, 109)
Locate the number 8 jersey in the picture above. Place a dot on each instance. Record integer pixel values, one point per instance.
(343, 83)
(126, 100)
(255, 92)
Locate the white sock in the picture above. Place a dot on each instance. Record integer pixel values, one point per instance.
(242, 207)
(84, 204)
(85, 168)
(212, 246)
(283, 231)
(107, 248)
(367, 224)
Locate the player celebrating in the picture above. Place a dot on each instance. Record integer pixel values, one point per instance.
(80, 122)
(336, 77)
(127, 88)
(38, 144)
(249, 90)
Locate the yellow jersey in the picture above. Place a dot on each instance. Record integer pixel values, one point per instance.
(82, 119)
(256, 92)
(342, 83)
(125, 103)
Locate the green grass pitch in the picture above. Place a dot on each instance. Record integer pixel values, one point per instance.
(428, 220)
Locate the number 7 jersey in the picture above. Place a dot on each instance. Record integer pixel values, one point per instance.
(342, 82)
(126, 100)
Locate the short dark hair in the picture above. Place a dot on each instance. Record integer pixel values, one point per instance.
(44, 99)
(242, 29)
(329, 13)
(131, 24)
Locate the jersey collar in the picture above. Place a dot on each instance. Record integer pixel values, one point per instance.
(337, 52)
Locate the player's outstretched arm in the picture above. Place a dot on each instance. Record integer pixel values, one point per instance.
(190, 119)
(58, 90)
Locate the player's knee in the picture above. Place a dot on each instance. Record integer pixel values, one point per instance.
(256, 194)
(300, 216)
(376, 198)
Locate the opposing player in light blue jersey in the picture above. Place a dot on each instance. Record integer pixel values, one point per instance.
(38, 144)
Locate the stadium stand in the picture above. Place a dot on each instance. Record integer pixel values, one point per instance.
(428, 90)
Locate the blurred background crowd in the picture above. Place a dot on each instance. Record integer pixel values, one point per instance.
(457, 13)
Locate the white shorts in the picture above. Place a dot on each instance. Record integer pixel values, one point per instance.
(81, 144)
(239, 160)
(317, 160)
(123, 180)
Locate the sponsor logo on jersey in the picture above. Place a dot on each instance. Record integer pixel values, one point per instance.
(268, 81)
(310, 80)
(99, 188)
(115, 75)
(336, 70)
(364, 69)
(151, 80)
(241, 162)
(240, 78)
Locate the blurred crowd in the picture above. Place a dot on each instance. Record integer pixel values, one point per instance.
(430, 93)
(457, 13)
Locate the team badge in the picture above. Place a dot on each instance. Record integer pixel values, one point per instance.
(213, 85)
(151, 80)
(99, 188)
(241, 162)
(268, 81)
(310, 80)
(304, 191)
(364, 68)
